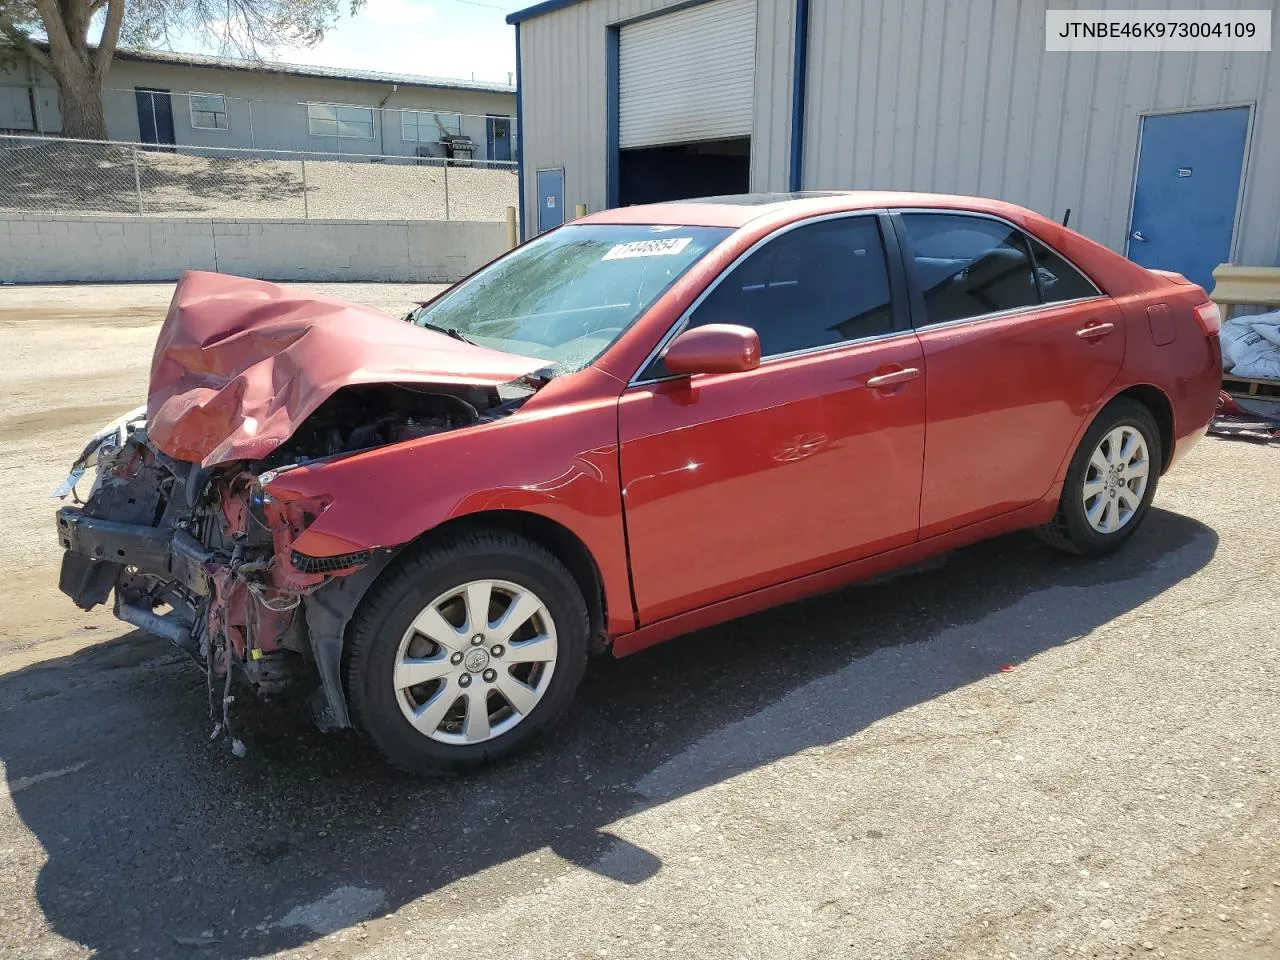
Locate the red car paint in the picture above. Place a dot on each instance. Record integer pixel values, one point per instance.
(239, 364)
(706, 498)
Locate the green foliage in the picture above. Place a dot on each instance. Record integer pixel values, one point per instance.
(245, 28)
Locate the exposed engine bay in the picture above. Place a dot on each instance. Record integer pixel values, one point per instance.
(250, 380)
(204, 557)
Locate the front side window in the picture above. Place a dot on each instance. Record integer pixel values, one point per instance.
(968, 266)
(814, 286)
(569, 294)
(208, 111)
(332, 120)
(421, 126)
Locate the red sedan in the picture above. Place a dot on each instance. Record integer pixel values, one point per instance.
(645, 422)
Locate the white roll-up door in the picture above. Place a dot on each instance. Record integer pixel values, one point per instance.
(688, 75)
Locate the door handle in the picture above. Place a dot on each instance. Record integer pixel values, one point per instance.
(1095, 331)
(893, 379)
(1137, 235)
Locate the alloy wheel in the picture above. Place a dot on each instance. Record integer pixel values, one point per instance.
(1116, 479)
(475, 662)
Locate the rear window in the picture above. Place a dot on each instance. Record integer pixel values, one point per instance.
(1059, 280)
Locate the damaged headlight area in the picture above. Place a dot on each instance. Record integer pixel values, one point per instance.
(208, 559)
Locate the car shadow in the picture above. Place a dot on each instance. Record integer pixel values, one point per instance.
(158, 841)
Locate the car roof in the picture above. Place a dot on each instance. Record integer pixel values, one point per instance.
(740, 209)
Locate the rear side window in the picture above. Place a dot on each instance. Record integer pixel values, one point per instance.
(969, 266)
(813, 286)
(1059, 280)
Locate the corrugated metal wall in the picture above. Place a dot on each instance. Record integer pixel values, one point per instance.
(563, 80)
(960, 96)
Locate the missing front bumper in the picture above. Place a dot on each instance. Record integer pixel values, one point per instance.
(98, 549)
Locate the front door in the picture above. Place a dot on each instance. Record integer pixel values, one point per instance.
(155, 116)
(550, 199)
(498, 131)
(733, 482)
(1184, 200)
(1018, 353)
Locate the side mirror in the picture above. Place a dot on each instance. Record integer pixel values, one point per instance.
(715, 348)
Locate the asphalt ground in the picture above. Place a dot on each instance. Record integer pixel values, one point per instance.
(1007, 754)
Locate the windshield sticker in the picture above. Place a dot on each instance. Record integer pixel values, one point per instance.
(648, 248)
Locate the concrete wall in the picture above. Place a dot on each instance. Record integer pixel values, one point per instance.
(563, 90)
(53, 249)
(264, 110)
(949, 97)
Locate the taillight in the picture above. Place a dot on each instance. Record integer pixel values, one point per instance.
(1210, 318)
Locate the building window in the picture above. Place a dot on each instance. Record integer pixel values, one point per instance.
(423, 126)
(208, 111)
(331, 120)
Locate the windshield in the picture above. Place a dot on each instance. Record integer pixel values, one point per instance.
(566, 296)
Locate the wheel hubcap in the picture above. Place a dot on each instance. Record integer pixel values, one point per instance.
(475, 662)
(1116, 479)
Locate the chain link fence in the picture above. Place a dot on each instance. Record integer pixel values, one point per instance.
(54, 175)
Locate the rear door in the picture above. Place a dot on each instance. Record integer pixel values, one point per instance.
(733, 482)
(1018, 347)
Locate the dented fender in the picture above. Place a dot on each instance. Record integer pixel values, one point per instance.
(562, 466)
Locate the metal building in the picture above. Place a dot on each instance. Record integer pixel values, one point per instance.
(1173, 158)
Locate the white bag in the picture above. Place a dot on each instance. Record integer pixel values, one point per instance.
(1267, 326)
(1240, 341)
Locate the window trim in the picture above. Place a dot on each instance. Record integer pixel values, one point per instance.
(191, 110)
(916, 294)
(893, 264)
(337, 134)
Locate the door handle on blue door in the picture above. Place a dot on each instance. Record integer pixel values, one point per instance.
(1137, 235)
(893, 378)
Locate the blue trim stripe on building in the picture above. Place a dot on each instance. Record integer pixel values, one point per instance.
(538, 9)
(798, 80)
(611, 154)
(519, 139)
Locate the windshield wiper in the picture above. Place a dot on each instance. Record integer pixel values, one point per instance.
(447, 331)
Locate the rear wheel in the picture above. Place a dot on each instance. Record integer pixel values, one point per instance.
(466, 652)
(1110, 483)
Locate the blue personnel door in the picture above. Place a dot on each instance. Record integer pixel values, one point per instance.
(1184, 202)
(550, 199)
(498, 131)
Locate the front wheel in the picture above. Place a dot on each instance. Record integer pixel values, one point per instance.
(1110, 483)
(467, 651)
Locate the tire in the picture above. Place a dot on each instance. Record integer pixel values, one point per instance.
(1072, 529)
(383, 652)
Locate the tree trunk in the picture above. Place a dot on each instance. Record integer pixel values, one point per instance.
(80, 100)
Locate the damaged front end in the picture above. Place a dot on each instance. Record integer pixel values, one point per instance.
(249, 381)
(205, 557)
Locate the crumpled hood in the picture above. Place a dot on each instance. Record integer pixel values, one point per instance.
(240, 364)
